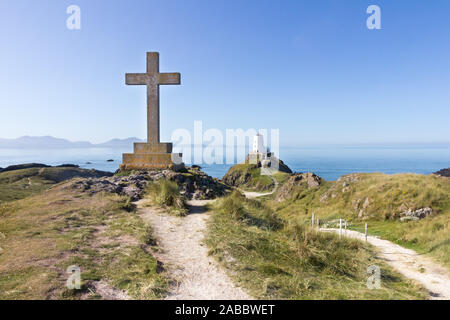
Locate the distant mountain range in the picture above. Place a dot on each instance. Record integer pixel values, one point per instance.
(27, 142)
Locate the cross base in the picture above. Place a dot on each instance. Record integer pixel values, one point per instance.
(150, 156)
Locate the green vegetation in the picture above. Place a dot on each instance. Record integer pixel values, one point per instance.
(42, 235)
(378, 199)
(165, 193)
(18, 184)
(248, 177)
(285, 259)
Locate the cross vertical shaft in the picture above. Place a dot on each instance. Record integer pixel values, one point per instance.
(153, 98)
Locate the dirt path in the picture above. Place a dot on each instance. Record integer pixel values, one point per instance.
(185, 257)
(409, 263)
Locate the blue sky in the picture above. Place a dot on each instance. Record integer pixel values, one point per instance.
(310, 68)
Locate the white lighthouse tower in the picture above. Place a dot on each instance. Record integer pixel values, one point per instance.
(259, 152)
(258, 144)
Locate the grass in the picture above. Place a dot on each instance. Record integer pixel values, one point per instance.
(378, 199)
(249, 177)
(166, 194)
(19, 184)
(44, 234)
(276, 258)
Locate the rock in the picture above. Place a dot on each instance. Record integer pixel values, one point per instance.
(324, 197)
(237, 176)
(110, 160)
(68, 165)
(349, 178)
(272, 162)
(196, 185)
(297, 180)
(416, 214)
(443, 172)
(133, 192)
(361, 214)
(366, 203)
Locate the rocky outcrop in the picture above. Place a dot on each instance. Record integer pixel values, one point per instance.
(272, 162)
(194, 184)
(443, 173)
(415, 214)
(239, 175)
(297, 181)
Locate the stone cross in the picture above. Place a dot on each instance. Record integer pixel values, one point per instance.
(152, 79)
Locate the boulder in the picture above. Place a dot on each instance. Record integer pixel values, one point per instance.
(443, 173)
(415, 214)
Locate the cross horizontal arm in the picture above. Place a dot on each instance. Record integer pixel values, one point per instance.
(136, 78)
(169, 78)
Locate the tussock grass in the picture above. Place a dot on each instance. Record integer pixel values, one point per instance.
(46, 233)
(283, 259)
(165, 193)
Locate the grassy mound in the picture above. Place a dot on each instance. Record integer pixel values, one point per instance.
(42, 235)
(249, 177)
(20, 183)
(379, 199)
(166, 194)
(276, 259)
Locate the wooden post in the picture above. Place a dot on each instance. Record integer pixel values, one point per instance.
(312, 220)
(340, 227)
(365, 232)
(318, 225)
(345, 227)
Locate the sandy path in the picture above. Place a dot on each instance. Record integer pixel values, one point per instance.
(185, 257)
(434, 278)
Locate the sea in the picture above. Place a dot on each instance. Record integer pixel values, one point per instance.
(329, 162)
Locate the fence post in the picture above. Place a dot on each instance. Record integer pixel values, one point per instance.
(340, 227)
(318, 225)
(312, 220)
(365, 231)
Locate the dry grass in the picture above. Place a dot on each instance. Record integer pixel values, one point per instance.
(282, 259)
(378, 199)
(46, 233)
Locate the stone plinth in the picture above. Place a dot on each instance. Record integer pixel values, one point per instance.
(149, 156)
